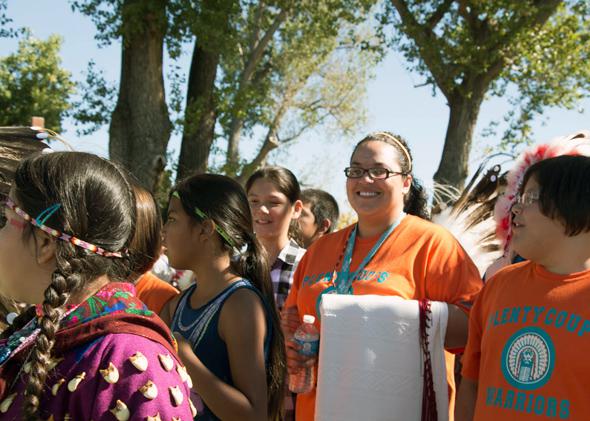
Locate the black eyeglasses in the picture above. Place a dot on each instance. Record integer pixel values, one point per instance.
(375, 173)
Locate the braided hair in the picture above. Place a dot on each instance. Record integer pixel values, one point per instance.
(96, 205)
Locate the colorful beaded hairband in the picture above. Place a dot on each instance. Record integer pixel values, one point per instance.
(203, 215)
(401, 146)
(40, 220)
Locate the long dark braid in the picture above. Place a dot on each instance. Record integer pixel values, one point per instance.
(96, 205)
(253, 265)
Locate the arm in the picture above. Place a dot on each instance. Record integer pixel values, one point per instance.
(290, 321)
(167, 312)
(457, 326)
(452, 277)
(466, 399)
(242, 325)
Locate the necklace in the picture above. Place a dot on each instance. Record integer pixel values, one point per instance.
(343, 280)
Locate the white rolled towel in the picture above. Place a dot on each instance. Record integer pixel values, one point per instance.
(370, 363)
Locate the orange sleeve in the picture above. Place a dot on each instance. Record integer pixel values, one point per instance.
(154, 292)
(472, 355)
(451, 277)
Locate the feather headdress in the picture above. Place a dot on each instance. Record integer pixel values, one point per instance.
(575, 144)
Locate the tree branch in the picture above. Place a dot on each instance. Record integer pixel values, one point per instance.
(256, 26)
(271, 142)
(438, 14)
(426, 41)
(245, 78)
(260, 46)
(544, 8)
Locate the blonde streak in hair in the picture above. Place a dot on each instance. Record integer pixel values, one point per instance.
(400, 144)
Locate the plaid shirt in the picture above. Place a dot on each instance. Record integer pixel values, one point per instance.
(281, 274)
(283, 269)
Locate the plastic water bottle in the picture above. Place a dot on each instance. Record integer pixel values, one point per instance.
(308, 337)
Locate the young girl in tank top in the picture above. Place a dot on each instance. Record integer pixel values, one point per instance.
(226, 324)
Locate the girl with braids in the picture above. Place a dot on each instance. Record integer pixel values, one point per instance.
(392, 250)
(89, 349)
(226, 324)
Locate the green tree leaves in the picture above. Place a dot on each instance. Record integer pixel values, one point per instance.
(33, 83)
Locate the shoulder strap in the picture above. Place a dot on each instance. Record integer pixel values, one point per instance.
(182, 304)
(207, 315)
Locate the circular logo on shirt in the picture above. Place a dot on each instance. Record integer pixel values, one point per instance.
(528, 358)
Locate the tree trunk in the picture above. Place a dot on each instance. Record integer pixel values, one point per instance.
(200, 114)
(140, 124)
(233, 143)
(464, 110)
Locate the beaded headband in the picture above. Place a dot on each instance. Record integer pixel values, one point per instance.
(401, 146)
(40, 220)
(203, 215)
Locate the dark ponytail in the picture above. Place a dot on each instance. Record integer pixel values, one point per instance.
(416, 201)
(224, 201)
(96, 205)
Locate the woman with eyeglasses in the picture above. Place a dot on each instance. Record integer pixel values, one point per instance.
(392, 250)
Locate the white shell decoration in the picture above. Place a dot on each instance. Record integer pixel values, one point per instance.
(177, 396)
(7, 402)
(27, 367)
(149, 390)
(184, 376)
(167, 361)
(73, 384)
(193, 409)
(56, 386)
(154, 418)
(139, 361)
(110, 374)
(120, 411)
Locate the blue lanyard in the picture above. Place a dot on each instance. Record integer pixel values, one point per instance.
(343, 282)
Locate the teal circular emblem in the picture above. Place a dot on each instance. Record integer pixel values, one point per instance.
(528, 358)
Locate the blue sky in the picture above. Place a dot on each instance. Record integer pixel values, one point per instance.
(393, 104)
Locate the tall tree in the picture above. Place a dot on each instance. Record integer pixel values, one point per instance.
(33, 83)
(469, 48)
(211, 26)
(281, 81)
(140, 125)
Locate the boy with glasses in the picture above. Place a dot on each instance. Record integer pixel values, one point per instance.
(529, 328)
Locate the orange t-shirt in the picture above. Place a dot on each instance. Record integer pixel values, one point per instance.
(527, 346)
(154, 292)
(418, 260)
